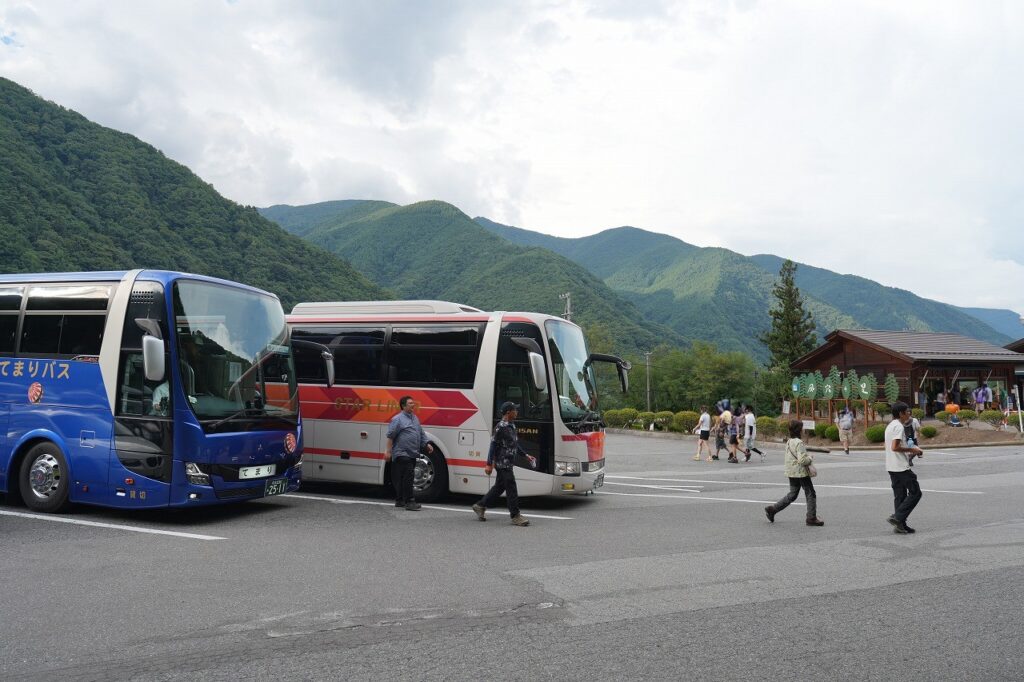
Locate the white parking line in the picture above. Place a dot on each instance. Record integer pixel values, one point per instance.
(675, 488)
(777, 484)
(115, 526)
(431, 507)
(699, 498)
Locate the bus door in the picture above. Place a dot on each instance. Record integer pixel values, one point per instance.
(141, 459)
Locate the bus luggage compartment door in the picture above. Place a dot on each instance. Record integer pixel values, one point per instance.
(349, 452)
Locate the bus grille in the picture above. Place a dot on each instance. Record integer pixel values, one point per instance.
(239, 492)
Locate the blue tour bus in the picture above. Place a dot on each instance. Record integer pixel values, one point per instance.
(144, 389)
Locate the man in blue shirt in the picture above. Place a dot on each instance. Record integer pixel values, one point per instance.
(501, 456)
(405, 441)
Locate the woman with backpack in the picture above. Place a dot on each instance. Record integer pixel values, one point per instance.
(844, 420)
(799, 469)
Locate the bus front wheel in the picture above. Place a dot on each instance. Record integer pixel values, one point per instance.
(45, 479)
(430, 477)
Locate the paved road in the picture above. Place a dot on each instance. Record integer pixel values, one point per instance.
(670, 571)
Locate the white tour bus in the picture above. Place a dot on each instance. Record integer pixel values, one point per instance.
(459, 364)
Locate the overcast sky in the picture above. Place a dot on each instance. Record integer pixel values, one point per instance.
(882, 138)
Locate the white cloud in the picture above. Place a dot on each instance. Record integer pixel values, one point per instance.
(873, 137)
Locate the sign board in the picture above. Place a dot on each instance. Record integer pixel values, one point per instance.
(808, 424)
(785, 407)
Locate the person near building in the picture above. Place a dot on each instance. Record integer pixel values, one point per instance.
(988, 395)
(844, 421)
(898, 455)
(703, 431)
(501, 457)
(979, 399)
(798, 463)
(405, 440)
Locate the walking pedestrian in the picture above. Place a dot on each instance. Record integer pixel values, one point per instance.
(898, 455)
(844, 420)
(732, 424)
(987, 390)
(501, 458)
(750, 434)
(979, 399)
(405, 440)
(703, 429)
(799, 469)
(721, 431)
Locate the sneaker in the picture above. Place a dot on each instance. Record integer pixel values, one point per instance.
(399, 503)
(815, 521)
(847, 451)
(714, 457)
(733, 460)
(747, 458)
(480, 511)
(413, 506)
(900, 529)
(908, 528)
(892, 520)
(696, 458)
(769, 511)
(519, 521)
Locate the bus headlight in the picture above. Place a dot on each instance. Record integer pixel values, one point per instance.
(567, 468)
(195, 475)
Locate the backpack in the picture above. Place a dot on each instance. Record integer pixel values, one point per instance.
(846, 421)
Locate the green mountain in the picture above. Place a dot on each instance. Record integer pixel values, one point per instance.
(433, 250)
(77, 196)
(1003, 321)
(721, 296)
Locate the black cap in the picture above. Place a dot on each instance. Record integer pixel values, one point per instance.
(508, 406)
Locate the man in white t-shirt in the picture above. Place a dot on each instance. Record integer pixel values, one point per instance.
(703, 429)
(750, 433)
(898, 453)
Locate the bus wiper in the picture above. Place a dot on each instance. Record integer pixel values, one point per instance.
(259, 412)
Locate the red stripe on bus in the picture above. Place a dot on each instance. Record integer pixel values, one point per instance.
(299, 320)
(467, 463)
(594, 441)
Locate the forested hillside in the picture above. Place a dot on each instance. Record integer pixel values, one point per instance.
(77, 196)
(720, 296)
(433, 250)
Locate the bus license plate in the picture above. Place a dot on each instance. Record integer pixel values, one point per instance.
(599, 481)
(276, 487)
(257, 472)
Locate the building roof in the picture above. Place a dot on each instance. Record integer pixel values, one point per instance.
(1017, 346)
(928, 346)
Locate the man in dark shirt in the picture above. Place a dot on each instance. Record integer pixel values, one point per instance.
(501, 457)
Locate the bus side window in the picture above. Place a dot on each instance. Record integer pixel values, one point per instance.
(512, 382)
(10, 307)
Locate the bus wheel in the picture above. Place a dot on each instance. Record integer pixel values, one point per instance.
(430, 477)
(44, 479)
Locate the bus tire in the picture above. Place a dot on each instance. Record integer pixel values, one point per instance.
(45, 479)
(430, 478)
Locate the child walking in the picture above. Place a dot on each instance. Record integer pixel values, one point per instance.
(798, 464)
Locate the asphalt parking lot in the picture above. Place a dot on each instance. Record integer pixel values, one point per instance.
(670, 571)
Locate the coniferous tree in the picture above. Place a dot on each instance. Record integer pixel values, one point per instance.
(792, 332)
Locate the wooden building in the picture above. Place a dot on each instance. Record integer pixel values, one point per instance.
(1018, 347)
(921, 361)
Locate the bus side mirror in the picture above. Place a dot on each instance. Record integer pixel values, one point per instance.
(153, 358)
(538, 372)
(328, 366)
(623, 377)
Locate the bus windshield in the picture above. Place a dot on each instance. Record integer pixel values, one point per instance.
(574, 375)
(233, 345)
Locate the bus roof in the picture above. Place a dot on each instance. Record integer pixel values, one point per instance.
(403, 311)
(164, 276)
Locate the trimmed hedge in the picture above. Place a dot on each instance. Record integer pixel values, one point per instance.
(993, 417)
(943, 416)
(876, 433)
(929, 431)
(767, 427)
(832, 433)
(880, 408)
(685, 421)
(663, 420)
(821, 429)
(967, 416)
(645, 419)
(917, 413)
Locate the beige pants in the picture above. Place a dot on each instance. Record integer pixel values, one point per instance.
(845, 435)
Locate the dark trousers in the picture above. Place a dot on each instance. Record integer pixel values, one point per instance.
(795, 484)
(401, 478)
(504, 483)
(906, 493)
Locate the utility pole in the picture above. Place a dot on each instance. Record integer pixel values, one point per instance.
(567, 297)
(647, 358)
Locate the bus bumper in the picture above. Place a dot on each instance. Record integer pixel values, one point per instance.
(586, 482)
